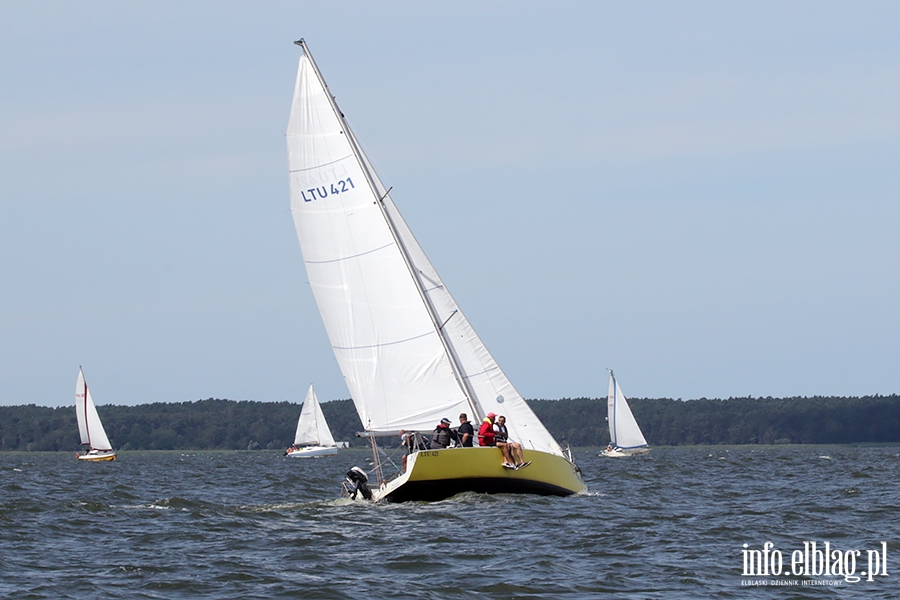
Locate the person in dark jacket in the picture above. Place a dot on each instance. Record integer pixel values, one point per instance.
(441, 436)
(465, 434)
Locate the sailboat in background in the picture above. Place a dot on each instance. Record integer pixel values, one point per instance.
(89, 426)
(625, 437)
(408, 354)
(313, 437)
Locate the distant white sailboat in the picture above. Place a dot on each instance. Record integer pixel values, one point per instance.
(313, 437)
(625, 437)
(89, 426)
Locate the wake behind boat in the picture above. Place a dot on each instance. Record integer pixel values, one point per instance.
(89, 426)
(625, 435)
(313, 437)
(408, 354)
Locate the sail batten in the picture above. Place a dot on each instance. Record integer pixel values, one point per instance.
(408, 354)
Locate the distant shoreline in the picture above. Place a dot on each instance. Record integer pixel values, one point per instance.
(216, 424)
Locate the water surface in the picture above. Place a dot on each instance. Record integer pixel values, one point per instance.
(256, 525)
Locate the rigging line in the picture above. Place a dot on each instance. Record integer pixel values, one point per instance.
(337, 160)
(334, 260)
(437, 285)
(395, 342)
(494, 368)
(448, 318)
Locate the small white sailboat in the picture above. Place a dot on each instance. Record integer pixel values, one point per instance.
(408, 354)
(625, 435)
(89, 426)
(313, 437)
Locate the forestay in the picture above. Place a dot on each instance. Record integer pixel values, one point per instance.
(407, 353)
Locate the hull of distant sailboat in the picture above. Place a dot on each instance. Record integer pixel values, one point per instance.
(623, 452)
(311, 451)
(97, 455)
(438, 474)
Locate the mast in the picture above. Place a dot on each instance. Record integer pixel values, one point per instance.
(87, 425)
(371, 179)
(613, 402)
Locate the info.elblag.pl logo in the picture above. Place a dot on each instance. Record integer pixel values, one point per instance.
(814, 560)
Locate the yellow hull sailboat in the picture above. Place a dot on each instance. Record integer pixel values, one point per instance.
(408, 354)
(439, 474)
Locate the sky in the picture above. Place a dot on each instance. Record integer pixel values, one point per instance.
(702, 196)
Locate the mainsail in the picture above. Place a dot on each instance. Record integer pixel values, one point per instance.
(89, 426)
(624, 431)
(312, 430)
(408, 354)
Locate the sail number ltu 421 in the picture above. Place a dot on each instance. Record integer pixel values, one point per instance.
(322, 192)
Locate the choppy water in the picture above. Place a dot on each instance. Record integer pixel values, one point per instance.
(256, 525)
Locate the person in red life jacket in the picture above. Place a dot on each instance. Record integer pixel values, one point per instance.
(487, 437)
(486, 431)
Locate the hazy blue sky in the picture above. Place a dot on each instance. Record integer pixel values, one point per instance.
(704, 197)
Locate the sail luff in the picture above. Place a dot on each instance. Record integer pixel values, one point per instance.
(81, 408)
(611, 409)
(381, 195)
(87, 420)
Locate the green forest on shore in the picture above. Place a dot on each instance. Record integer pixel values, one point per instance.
(241, 425)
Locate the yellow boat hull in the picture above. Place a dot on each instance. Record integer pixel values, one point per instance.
(438, 474)
(97, 457)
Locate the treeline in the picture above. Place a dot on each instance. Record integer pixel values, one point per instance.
(735, 421)
(231, 425)
(202, 425)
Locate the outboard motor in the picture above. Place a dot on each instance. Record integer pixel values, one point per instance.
(357, 483)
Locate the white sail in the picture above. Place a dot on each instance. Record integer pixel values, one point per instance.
(312, 430)
(407, 353)
(89, 426)
(623, 428)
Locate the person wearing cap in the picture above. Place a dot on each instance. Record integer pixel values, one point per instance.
(487, 436)
(486, 431)
(441, 436)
